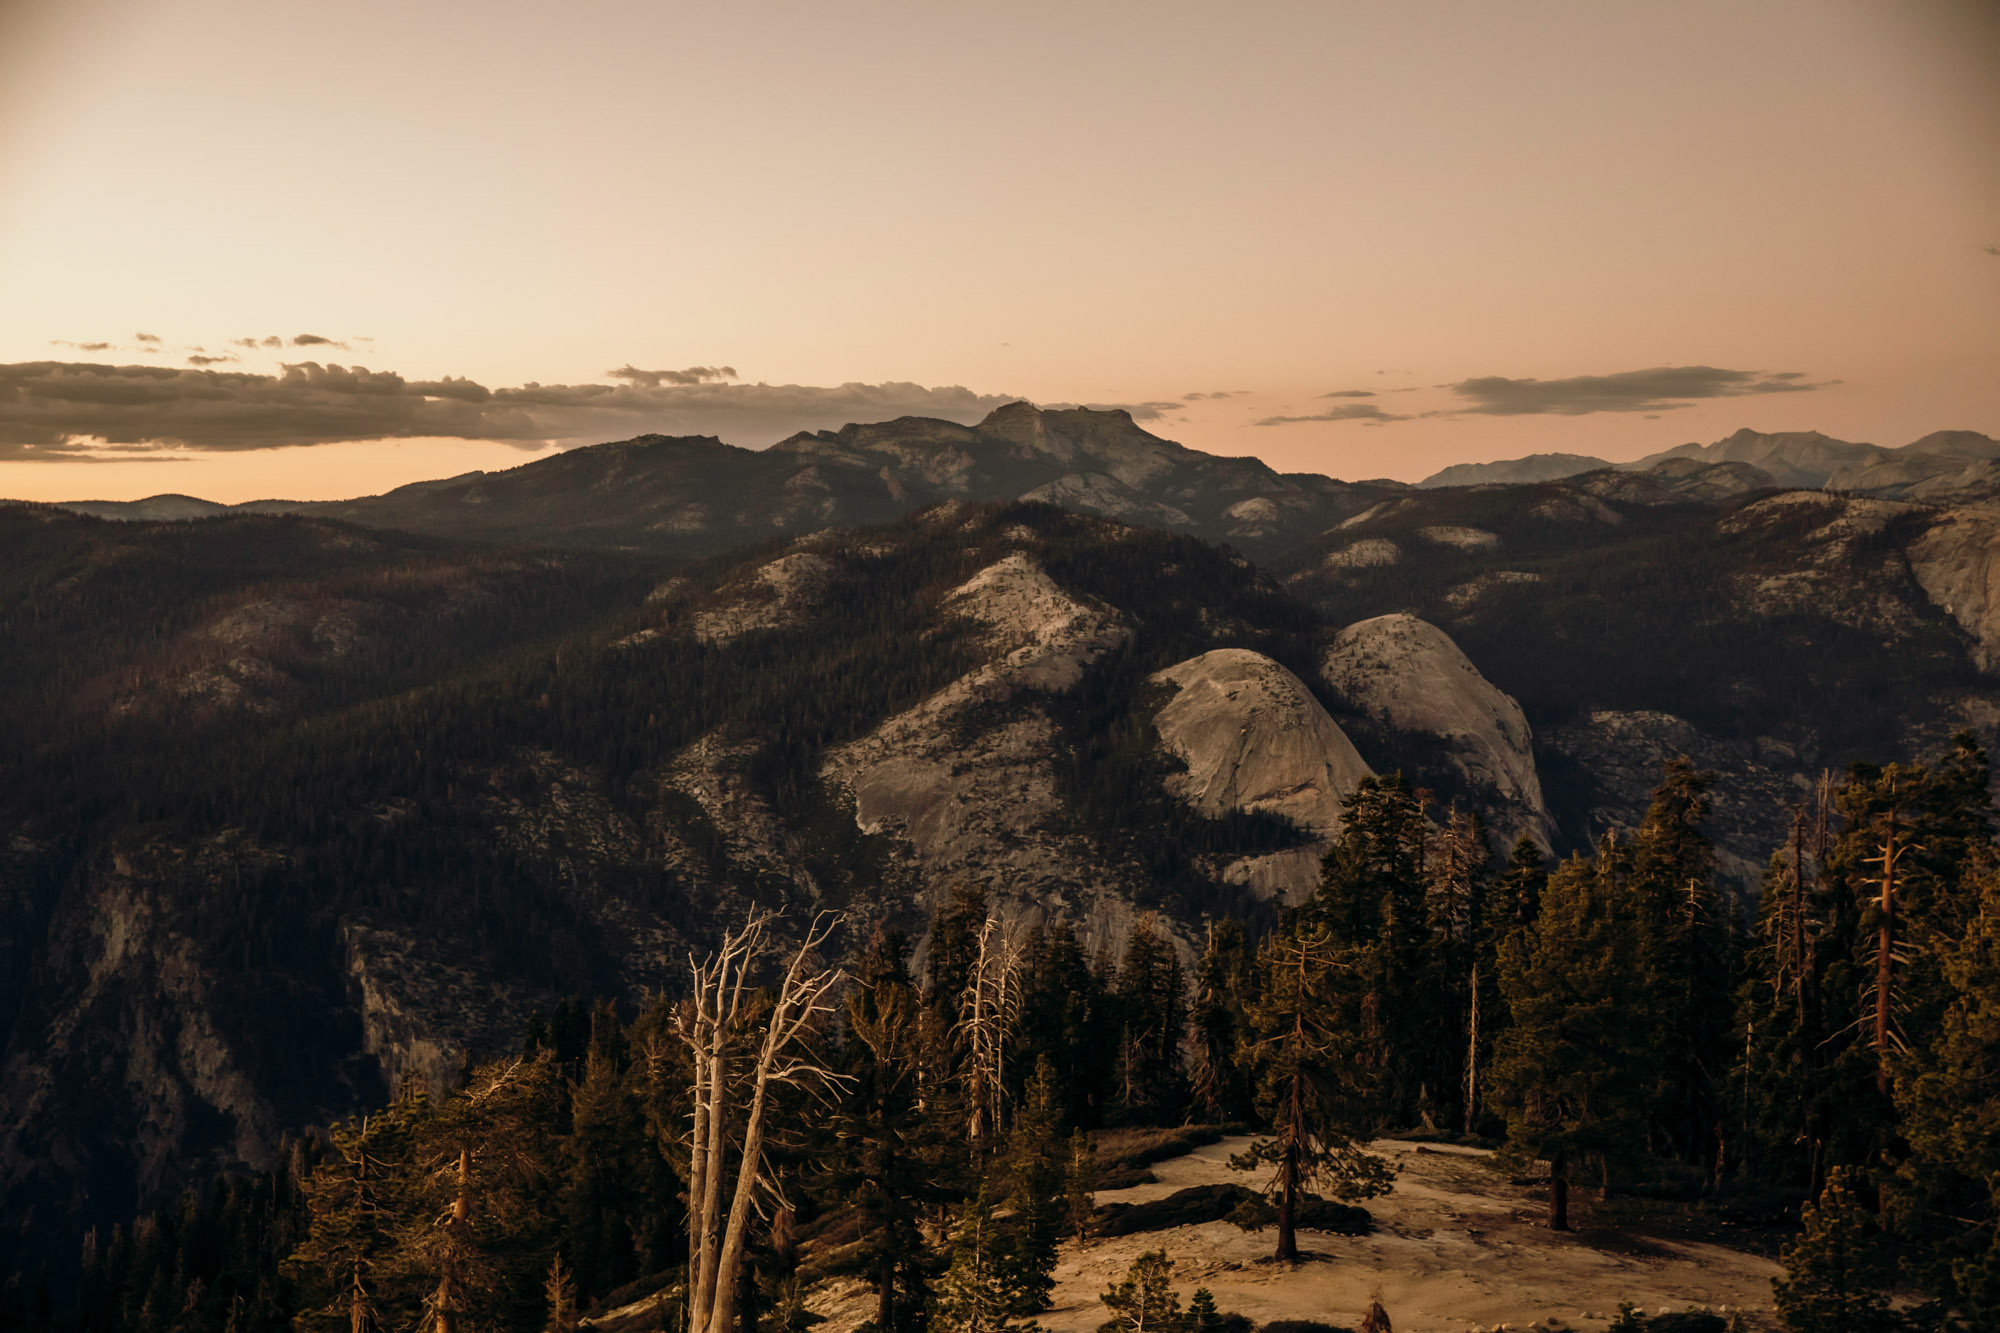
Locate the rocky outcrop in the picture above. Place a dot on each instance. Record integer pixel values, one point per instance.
(1621, 753)
(1957, 563)
(128, 1012)
(969, 788)
(1409, 676)
(772, 596)
(1460, 537)
(1364, 554)
(1254, 738)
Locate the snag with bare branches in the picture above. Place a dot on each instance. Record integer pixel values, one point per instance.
(989, 1009)
(737, 1069)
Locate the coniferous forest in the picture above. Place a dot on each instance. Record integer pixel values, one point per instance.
(933, 1123)
(722, 1044)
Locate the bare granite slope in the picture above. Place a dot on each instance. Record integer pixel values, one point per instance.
(1254, 738)
(1409, 675)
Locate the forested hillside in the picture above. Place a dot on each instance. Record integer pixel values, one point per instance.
(930, 1131)
(305, 816)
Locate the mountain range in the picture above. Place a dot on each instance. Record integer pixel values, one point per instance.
(1955, 464)
(308, 798)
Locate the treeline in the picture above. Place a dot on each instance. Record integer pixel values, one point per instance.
(939, 1156)
(922, 1122)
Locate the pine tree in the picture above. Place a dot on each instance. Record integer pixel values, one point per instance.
(1145, 1302)
(1836, 1273)
(1304, 1041)
(1944, 1198)
(1036, 1162)
(1221, 1092)
(484, 1224)
(1460, 971)
(1079, 1185)
(560, 1291)
(1069, 1017)
(1372, 904)
(600, 1196)
(1569, 1072)
(1683, 959)
(358, 1196)
(973, 1296)
(884, 1150)
(1153, 1001)
(1202, 1316)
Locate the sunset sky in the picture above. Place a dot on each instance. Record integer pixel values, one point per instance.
(1343, 237)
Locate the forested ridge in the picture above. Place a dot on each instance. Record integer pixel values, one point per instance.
(1611, 1019)
(297, 759)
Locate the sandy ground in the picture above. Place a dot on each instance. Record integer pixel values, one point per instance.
(1456, 1247)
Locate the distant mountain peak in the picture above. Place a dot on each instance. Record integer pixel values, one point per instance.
(1535, 467)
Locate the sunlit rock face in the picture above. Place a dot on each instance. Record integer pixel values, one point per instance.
(1957, 563)
(1255, 739)
(1409, 676)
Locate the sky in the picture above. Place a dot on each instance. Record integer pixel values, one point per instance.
(261, 249)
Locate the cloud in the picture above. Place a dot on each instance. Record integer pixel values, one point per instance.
(1345, 412)
(55, 409)
(1991, 248)
(315, 340)
(1660, 389)
(653, 379)
(1147, 411)
(1197, 397)
(201, 359)
(1350, 393)
(81, 347)
(273, 341)
(146, 337)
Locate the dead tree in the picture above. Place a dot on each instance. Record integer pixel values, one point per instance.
(1885, 950)
(715, 1024)
(991, 1006)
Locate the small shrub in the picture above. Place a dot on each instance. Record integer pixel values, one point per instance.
(1687, 1321)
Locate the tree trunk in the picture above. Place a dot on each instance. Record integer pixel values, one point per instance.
(1472, 1054)
(1559, 1193)
(1288, 1195)
(885, 1295)
(1885, 943)
(444, 1304)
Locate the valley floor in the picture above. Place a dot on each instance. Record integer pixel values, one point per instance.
(1455, 1247)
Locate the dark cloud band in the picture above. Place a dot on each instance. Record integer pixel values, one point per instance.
(1345, 412)
(54, 409)
(1659, 389)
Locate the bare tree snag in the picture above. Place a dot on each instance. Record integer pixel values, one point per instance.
(711, 1023)
(991, 1005)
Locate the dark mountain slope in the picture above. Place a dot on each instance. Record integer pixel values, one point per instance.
(1765, 637)
(527, 776)
(698, 496)
(299, 807)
